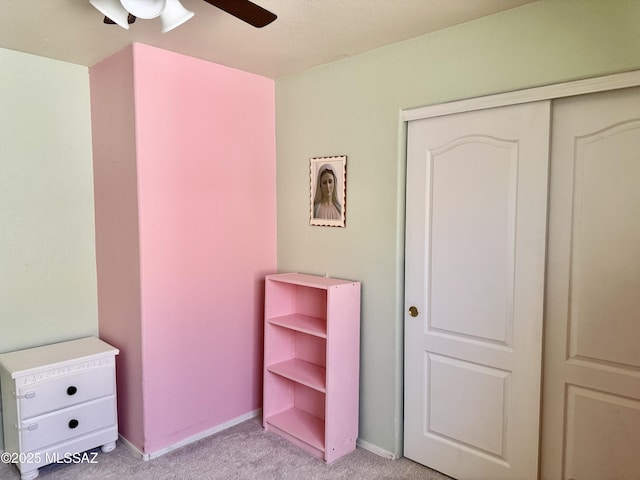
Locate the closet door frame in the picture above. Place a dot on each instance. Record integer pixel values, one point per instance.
(547, 92)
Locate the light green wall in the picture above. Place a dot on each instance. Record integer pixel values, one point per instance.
(352, 107)
(47, 245)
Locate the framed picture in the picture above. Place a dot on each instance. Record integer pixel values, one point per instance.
(328, 188)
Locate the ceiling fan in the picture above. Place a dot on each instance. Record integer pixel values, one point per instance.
(173, 14)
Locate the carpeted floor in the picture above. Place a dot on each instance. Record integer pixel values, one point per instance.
(242, 452)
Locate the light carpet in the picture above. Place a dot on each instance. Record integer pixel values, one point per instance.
(242, 452)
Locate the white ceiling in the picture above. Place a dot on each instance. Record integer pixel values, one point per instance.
(306, 34)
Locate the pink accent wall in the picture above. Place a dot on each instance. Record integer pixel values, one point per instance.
(116, 224)
(206, 226)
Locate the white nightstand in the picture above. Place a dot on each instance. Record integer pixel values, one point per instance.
(58, 401)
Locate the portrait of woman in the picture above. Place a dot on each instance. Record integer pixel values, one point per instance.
(327, 191)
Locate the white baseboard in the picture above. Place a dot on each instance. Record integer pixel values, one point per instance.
(193, 438)
(381, 452)
(131, 446)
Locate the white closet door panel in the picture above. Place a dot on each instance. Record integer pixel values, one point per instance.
(475, 249)
(591, 421)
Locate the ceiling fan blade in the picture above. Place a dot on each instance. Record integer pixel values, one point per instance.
(130, 20)
(246, 11)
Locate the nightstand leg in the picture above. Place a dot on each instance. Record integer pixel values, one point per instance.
(108, 447)
(30, 475)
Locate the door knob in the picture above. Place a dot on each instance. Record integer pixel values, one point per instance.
(413, 311)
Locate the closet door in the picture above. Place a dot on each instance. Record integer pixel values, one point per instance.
(475, 257)
(591, 414)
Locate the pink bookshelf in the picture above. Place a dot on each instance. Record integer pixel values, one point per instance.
(312, 362)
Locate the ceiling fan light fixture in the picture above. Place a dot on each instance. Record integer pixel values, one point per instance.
(144, 9)
(113, 10)
(174, 15)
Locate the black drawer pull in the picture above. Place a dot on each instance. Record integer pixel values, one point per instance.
(73, 423)
(72, 390)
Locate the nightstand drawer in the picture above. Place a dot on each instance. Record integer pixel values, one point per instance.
(65, 390)
(65, 424)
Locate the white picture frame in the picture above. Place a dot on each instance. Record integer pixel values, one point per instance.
(328, 191)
